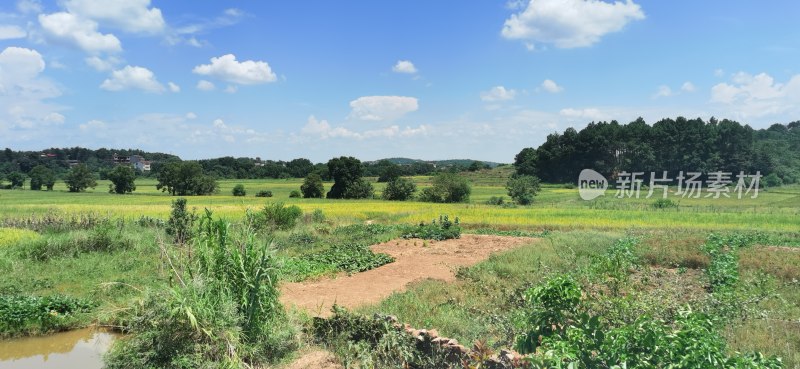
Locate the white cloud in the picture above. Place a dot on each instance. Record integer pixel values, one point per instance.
(29, 6)
(377, 108)
(228, 69)
(663, 91)
(11, 32)
(102, 65)
(550, 86)
(404, 66)
(231, 89)
(204, 85)
(322, 129)
(134, 16)
(498, 93)
(191, 116)
(55, 118)
(92, 125)
(23, 91)
(688, 87)
(316, 127)
(132, 77)
(570, 23)
(588, 113)
(173, 87)
(19, 64)
(749, 96)
(82, 33)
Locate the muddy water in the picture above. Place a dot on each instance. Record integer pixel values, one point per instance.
(78, 349)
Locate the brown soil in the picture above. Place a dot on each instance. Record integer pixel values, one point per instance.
(315, 359)
(414, 260)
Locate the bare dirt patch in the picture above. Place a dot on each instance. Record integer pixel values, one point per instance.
(315, 359)
(414, 260)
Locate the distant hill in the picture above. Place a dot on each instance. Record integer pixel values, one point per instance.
(439, 163)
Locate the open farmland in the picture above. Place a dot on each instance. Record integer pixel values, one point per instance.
(108, 253)
(556, 207)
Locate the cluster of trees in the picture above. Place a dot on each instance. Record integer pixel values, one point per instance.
(58, 159)
(670, 145)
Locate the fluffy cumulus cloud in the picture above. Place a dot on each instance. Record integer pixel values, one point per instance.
(378, 108)
(755, 96)
(132, 77)
(404, 66)
(688, 87)
(498, 93)
(323, 130)
(24, 92)
(570, 23)
(228, 69)
(9, 32)
(69, 29)
(134, 16)
(174, 87)
(551, 86)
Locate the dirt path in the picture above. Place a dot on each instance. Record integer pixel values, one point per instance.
(415, 260)
(315, 359)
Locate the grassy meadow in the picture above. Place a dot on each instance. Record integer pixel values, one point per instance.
(103, 264)
(555, 207)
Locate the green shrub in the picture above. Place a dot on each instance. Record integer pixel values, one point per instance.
(25, 315)
(665, 204)
(294, 194)
(447, 188)
(399, 189)
(318, 216)
(523, 189)
(772, 180)
(181, 222)
(443, 230)
(496, 200)
(275, 216)
(239, 190)
(264, 193)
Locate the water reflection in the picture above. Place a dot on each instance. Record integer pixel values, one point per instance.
(79, 349)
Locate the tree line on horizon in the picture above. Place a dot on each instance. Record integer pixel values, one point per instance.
(672, 145)
(14, 164)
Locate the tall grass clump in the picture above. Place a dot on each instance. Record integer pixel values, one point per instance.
(105, 237)
(221, 312)
(275, 216)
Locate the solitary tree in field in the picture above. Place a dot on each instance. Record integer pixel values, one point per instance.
(122, 179)
(400, 189)
(523, 189)
(79, 178)
(184, 178)
(42, 176)
(239, 190)
(312, 187)
(447, 187)
(348, 184)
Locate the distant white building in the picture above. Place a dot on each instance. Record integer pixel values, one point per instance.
(140, 164)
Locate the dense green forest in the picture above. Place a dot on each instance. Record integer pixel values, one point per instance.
(671, 145)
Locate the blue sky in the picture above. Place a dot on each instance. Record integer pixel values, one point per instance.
(375, 79)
